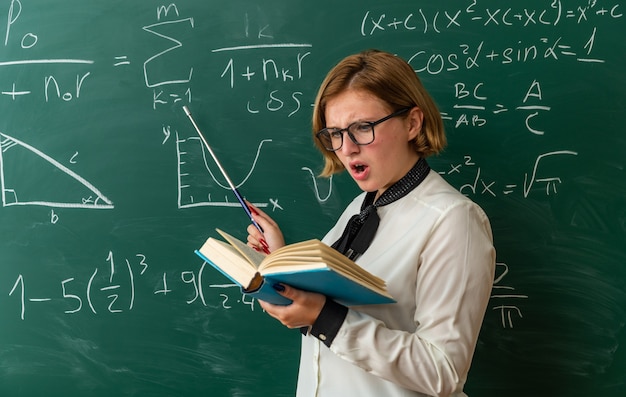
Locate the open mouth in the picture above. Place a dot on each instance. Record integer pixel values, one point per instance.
(359, 170)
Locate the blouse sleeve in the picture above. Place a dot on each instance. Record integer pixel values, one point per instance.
(454, 280)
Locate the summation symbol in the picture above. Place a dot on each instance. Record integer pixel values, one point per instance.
(153, 29)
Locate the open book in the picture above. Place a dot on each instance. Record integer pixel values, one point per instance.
(309, 265)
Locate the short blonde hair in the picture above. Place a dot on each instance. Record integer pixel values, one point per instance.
(392, 80)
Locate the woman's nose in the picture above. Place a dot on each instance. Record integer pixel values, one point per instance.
(348, 146)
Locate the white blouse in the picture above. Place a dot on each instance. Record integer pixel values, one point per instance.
(434, 248)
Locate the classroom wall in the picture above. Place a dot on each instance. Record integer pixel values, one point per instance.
(106, 190)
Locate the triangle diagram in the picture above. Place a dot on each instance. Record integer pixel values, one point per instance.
(30, 177)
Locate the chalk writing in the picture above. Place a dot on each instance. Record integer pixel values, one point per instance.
(198, 186)
(315, 187)
(502, 292)
(482, 185)
(473, 55)
(280, 69)
(266, 69)
(50, 85)
(437, 21)
(92, 197)
(115, 290)
(152, 82)
(163, 72)
(473, 106)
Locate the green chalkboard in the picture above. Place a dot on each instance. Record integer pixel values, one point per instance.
(106, 193)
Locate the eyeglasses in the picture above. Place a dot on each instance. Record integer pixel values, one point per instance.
(360, 132)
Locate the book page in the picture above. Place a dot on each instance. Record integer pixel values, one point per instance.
(305, 256)
(229, 261)
(314, 254)
(255, 258)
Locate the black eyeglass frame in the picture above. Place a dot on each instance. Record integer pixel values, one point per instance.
(372, 124)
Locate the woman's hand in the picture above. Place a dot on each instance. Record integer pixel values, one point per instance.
(302, 312)
(306, 306)
(271, 238)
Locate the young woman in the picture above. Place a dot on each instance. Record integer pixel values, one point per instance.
(432, 245)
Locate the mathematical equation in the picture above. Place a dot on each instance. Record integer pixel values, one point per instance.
(284, 68)
(169, 77)
(471, 56)
(470, 110)
(425, 21)
(62, 88)
(538, 178)
(114, 290)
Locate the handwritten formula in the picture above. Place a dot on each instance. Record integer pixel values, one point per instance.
(113, 288)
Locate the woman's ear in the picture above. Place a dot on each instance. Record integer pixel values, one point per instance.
(415, 119)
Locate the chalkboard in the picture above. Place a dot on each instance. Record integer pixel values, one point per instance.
(106, 191)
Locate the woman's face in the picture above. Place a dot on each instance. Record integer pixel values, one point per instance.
(390, 156)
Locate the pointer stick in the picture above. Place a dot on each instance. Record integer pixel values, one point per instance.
(219, 165)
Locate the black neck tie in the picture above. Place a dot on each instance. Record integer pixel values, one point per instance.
(361, 228)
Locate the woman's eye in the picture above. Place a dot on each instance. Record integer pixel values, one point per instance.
(362, 127)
